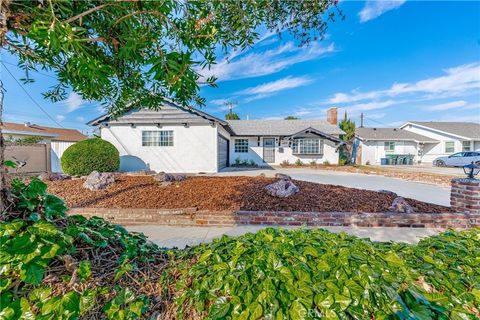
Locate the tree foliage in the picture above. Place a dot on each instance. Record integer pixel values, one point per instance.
(135, 53)
(348, 126)
(291, 118)
(25, 140)
(232, 116)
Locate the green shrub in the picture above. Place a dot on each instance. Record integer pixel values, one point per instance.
(57, 267)
(299, 162)
(83, 157)
(326, 163)
(313, 273)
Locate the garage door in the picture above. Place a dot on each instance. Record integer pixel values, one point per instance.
(222, 157)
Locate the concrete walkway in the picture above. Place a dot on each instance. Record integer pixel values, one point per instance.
(169, 237)
(410, 189)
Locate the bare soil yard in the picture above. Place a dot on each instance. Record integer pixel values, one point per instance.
(227, 193)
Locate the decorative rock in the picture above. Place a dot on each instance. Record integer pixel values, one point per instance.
(163, 177)
(168, 177)
(388, 192)
(53, 176)
(262, 175)
(180, 177)
(282, 188)
(98, 181)
(282, 176)
(400, 205)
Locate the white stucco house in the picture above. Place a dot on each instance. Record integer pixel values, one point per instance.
(424, 141)
(178, 139)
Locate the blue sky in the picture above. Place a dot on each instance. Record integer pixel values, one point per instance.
(392, 60)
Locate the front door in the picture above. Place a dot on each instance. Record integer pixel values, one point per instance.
(269, 150)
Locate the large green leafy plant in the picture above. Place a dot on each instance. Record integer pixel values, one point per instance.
(58, 267)
(307, 274)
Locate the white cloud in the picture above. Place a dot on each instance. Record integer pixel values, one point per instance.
(456, 81)
(368, 106)
(81, 119)
(277, 85)
(373, 9)
(74, 102)
(219, 102)
(270, 88)
(266, 62)
(448, 105)
(59, 117)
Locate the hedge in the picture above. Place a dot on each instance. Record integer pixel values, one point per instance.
(83, 157)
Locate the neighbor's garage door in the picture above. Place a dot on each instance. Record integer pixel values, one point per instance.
(222, 152)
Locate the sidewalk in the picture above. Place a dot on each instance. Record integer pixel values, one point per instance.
(169, 237)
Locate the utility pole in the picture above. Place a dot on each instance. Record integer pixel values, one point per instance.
(230, 105)
(361, 120)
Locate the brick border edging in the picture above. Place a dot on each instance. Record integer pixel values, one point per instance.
(193, 217)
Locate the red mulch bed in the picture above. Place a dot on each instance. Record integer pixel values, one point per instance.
(226, 193)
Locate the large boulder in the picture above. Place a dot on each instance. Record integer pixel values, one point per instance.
(400, 205)
(53, 176)
(99, 180)
(282, 188)
(164, 177)
(168, 177)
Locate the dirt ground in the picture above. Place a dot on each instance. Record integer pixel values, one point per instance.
(226, 193)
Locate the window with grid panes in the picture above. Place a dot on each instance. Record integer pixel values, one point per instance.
(163, 138)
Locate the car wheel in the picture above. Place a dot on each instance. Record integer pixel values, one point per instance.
(440, 163)
(477, 163)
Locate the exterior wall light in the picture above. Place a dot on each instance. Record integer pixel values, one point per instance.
(471, 170)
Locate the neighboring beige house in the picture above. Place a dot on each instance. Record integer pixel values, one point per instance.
(58, 138)
(178, 139)
(424, 141)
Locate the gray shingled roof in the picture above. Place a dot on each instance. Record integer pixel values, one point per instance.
(465, 129)
(280, 127)
(391, 134)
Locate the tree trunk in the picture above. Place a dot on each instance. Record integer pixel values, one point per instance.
(4, 188)
(4, 192)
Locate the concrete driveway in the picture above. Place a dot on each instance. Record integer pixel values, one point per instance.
(410, 189)
(179, 237)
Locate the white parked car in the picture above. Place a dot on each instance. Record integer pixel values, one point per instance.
(458, 159)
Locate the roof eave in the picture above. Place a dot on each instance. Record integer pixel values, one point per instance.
(437, 130)
(317, 132)
(29, 133)
(97, 121)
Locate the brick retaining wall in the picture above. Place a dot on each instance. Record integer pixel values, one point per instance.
(192, 217)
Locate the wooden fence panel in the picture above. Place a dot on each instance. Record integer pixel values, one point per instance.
(35, 156)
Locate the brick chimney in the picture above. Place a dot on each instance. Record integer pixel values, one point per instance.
(332, 116)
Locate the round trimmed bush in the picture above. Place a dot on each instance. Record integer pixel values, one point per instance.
(83, 157)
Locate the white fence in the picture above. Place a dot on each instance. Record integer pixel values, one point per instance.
(57, 150)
